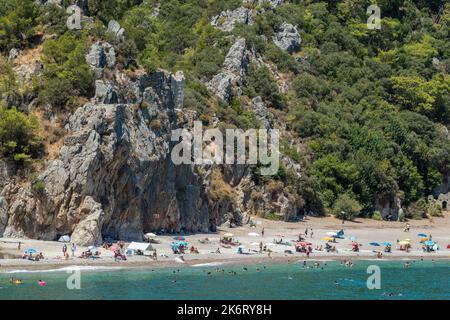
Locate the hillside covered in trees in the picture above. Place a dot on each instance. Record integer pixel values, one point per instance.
(364, 113)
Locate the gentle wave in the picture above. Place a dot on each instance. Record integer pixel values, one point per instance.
(69, 268)
(209, 264)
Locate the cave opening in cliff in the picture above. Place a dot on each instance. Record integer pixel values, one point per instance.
(444, 205)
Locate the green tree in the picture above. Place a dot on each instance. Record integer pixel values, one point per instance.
(346, 207)
(19, 140)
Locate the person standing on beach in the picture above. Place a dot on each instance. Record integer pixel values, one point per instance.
(20, 244)
(312, 233)
(64, 249)
(306, 231)
(74, 248)
(262, 232)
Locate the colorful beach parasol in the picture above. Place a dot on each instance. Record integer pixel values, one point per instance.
(429, 243)
(422, 235)
(179, 238)
(386, 243)
(327, 238)
(332, 234)
(30, 250)
(375, 244)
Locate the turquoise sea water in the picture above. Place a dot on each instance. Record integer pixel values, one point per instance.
(422, 280)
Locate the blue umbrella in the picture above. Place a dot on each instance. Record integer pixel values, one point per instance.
(353, 238)
(30, 250)
(422, 235)
(429, 243)
(376, 244)
(387, 243)
(179, 238)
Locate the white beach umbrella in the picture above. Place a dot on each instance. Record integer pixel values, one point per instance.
(253, 234)
(228, 234)
(331, 233)
(254, 244)
(92, 248)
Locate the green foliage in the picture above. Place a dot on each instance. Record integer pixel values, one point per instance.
(377, 216)
(17, 21)
(346, 207)
(435, 211)
(418, 209)
(66, 73)
(272, 216)
(260, 82)
(19, 140)
(38, 187)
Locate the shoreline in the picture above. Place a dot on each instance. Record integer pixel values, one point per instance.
(51, 266)
(366, 232)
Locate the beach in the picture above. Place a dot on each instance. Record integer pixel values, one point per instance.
(365, 231)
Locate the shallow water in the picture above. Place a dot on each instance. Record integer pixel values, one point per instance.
(422, 280)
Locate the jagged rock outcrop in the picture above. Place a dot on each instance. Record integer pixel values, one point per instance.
(114, 176)
(115, 28)
(273, 3)
(260, 111)
(105, 92)
(101, 55)
(226, 20)
(226, 84)
(287, 38)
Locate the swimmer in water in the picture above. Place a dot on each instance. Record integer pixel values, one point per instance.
(245, 269)
(406, 264)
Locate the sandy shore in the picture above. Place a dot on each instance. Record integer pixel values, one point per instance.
(366, 231)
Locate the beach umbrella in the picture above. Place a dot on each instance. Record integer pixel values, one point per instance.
(448, 246)
(327, 239)
(429, 243)
(65, 238)
(269, 244)
(92, 248)
(253, 234)
(179, 238)
(303, 244)
(407, 240)
(333, 234)
(279, 235)
(423, 239)
(30, 250)
(403, 242)
(254, 244)
(150, 235)
(422, 235)
(387, 243)
(228, 234)
(353, 238)
(375, 244)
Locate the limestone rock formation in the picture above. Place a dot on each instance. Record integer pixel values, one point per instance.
(114, 176)
(287, 38)
(233, 71)
(115, 28)
(101, 55)
(261, 114)
(226, 20)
